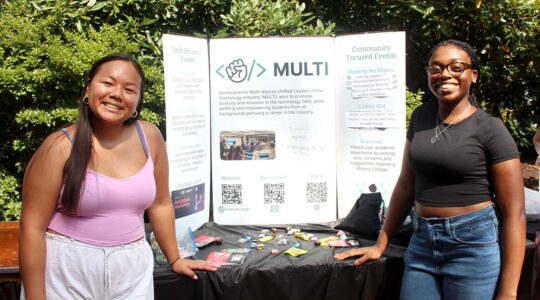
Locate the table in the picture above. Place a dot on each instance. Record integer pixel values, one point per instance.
(9, 251)
(316, 275)
(9, 260)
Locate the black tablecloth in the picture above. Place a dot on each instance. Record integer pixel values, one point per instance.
(315, 275)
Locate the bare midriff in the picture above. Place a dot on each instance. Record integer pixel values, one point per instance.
(54, 232)
(446, 212)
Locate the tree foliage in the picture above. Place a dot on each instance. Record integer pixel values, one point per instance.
(265, 18)
(47, 46)
(505, 34)
(10, 204)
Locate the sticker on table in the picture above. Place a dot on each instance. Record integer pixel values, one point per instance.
(295, 252)
(226, 258)
(205, 240)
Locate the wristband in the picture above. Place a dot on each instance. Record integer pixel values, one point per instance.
(174, 261)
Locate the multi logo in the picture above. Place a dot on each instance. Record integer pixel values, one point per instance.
(237, 71)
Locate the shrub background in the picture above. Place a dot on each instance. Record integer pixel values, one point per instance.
(46, 46)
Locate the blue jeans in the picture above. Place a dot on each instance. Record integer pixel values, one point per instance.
(453, 258)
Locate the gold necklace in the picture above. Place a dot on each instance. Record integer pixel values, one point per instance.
(437, 135)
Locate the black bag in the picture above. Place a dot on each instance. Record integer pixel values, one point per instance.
(365, 216)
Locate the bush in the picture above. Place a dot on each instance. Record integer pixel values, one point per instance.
(412, 101)
(43, 67)
(47, 46)
(266, 18)
(505, 34)
(10, 205)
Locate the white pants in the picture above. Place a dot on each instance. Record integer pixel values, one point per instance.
(76, 270)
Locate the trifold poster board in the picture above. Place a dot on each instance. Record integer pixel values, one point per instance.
(300, 126)
(370, 100)
(187, 100)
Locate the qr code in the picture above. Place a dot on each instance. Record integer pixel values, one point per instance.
(274, 193)
(231, 194)
(316, 192)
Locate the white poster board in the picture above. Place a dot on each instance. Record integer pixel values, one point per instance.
(371, 114)
(295, 122)
(273, 110)
(188, 128)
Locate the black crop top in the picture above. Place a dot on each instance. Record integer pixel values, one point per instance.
(454, 171)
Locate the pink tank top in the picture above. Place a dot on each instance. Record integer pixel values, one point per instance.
(110, 210)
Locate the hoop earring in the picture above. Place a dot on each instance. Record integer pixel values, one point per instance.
(135, 114)
(85, 100)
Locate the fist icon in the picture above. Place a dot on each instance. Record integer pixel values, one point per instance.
(237, 70)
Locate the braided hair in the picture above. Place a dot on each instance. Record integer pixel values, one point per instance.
(472, 55)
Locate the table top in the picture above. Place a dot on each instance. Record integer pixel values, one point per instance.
(9, 251)
(315, 275)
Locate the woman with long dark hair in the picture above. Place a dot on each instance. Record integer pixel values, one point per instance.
(460, 167)
(85, 191)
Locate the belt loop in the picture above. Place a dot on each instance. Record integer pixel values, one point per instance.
(415, 221)
(447, 225)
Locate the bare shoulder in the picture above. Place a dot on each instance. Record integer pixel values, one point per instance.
(52, 154)
(57, 144)
(152, 132)
(43, 180)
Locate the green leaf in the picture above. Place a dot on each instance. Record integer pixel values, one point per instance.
(99, 6)
(147, 21)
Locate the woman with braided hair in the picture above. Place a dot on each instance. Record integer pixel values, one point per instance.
(461, 173)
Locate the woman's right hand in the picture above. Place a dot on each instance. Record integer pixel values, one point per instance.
(187, 267)
(365, 253)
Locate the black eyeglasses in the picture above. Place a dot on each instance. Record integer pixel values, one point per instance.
(455, 69)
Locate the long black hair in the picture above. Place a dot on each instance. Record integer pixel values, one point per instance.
(472, 55)
(81, 151)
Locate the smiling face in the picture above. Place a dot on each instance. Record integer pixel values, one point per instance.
(446, 87)
(114, 92)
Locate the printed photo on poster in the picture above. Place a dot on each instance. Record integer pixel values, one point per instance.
(247, 145)
(188, 200)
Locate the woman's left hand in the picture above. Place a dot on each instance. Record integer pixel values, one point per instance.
(186, 267)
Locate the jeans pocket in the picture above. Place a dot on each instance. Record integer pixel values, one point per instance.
(483, 232)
